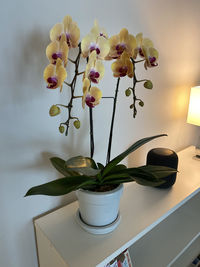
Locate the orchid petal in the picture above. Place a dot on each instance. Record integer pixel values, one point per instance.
(96, 93)
(60, 72)
(93, 97)
(86, 85)
(67, 22)
(123, 35)
(97, 31)
(139, 38)
(103, 46)
(72, 31)
(52, 48)
(56, 31)
(85, 44)
(153, 52)
(147, 42)
(123, 66)
(49, 71)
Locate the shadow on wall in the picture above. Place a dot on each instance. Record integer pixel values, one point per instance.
(67, 147)
(28, 62)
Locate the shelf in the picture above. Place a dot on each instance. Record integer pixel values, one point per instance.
(142, 209)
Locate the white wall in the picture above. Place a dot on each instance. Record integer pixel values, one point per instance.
(29, 136)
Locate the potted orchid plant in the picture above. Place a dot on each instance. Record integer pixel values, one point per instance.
(82, 174)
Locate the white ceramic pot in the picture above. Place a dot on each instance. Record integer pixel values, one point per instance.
(99, 208)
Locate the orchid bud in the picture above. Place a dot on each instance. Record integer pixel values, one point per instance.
(141, 103)
(54, 110)
(77, 124)
(61, 129)
(148, 84)
(131, 106)
(128, 92)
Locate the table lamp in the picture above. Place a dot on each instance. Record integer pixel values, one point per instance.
(194, 112)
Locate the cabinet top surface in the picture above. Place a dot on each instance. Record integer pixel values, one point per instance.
(141, 209)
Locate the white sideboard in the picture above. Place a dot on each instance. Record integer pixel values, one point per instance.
(161, 227)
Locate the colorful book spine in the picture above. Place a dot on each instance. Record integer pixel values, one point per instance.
(122, 260)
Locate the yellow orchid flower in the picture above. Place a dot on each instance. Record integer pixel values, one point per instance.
(96, 30)
(69, 28)
(123, 66)
(94, 69)
(90, 43)
(86, 86)
(95, 40)
(142, 43)
(91, 96)
(151, 56)
(57, 50)
(55, 75)
(120, 43)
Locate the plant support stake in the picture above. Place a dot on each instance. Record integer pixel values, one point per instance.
(112, 121)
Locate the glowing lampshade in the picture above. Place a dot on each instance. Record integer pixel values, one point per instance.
(194, 106)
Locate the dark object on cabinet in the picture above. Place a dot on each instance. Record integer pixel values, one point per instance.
(164, 157)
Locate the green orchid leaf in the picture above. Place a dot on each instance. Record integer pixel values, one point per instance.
(142, 181)
(150, 175)
(145, 175)
(117, 168)
(133, 174)
(158, 171)
(59, 165)
(137, 172)
(80, 162)
(115, 177)
(61, 186)
(120, 181)
(149, 172)
(100, 166)
(132, 148)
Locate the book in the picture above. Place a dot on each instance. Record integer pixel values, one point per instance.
(122, 260)
(196, 262)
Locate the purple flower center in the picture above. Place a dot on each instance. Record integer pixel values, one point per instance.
(141, 52)
(93, 76)
(123, 71)
(68, 39)
(95, 47)
(120, 48)
(55, 56)
(89, 101)
(52, 82)
(101, 34)
(152, 61)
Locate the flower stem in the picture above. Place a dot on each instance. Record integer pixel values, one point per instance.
(82, 72)
(74, 62)
(77, 96)
(139, 61)
(91, 133)
(72, 86)
(62, 105)
(144, 80)
(67, 84)
(133, 90)
(112, 122)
